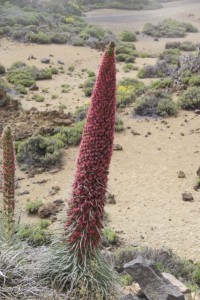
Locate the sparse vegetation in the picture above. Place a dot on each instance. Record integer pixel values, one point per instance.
(2, 69)
(169, 28)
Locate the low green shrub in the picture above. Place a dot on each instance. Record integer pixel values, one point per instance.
(22, 75)
(184, 46)
(33, 206)
(69, 135)
(190, 99)
(170, 56)
(109, 236)
(2, 69)
(39, 151)
(127, 36)
(194, 80)
(160, 69)
(129, 67)
(38, 98)
(119, 125)
(39, 37)
(169, 28)
(127, 91)
(155, 104)
(88, 86)
(127, 279)
(161, 84)
(34, 235)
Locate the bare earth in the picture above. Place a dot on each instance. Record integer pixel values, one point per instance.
(143, 177)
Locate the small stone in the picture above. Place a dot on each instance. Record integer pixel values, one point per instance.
(187, 197)
(45, 60)
(182, 134)
(25, 192)
(117, 147)
(181, 174)
(135, 132)
(61, 62)
(34, 87)
(134, 244)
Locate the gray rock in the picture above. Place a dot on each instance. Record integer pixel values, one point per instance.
(130, 297)
(117, 147)
(183, 288)
(151, 281)
(187, 197)
(197, 111)
(198, 172)
(61, 62)
(25, 192)
(45, 60)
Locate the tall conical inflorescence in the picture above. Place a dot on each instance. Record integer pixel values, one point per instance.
(8, 183)
(86, 208)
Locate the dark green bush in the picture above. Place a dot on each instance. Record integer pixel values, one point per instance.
(155, 104)
(127, 36)
(184, 46)
(190, 99)
(21, 74)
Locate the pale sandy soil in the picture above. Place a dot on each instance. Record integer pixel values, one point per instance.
(143, 177)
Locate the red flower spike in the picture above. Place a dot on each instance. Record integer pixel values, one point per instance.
(8, 182)
(86, 209)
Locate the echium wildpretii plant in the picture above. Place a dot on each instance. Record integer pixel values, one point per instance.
(79, 267)
(86, 209)
(8, 185)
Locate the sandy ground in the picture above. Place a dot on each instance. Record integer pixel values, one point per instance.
(149, 209)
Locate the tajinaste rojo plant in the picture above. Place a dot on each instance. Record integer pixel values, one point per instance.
(8, 184)
(79, 266)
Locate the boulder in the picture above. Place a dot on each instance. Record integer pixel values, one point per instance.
(151, 281)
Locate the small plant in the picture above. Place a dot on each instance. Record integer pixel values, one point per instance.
(194, 80)
(109, 236)
(2, 69)
(71, 68)
(62, 106)
(33, 206)
(161, 84)
(127, 279)
(35, 235)
(54, 96)
(119, 125)
(38, 98)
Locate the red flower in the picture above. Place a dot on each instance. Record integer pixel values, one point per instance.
(86, 209)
